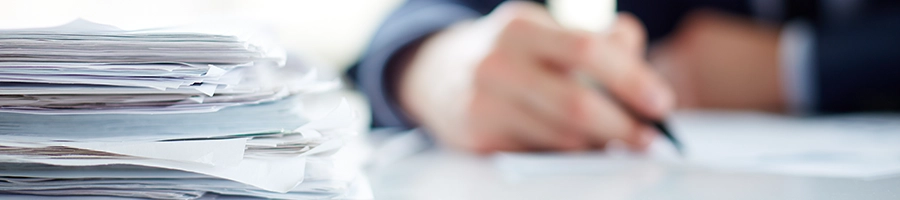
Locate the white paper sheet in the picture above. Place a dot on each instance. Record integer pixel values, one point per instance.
(272, 174)
(219, 152)
(861, 146)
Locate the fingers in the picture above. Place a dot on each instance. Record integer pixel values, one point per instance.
(524, 80)
(629, 30)
(527, 99)
(529, 29)
(598, 119)
(637, 87)
(538, 134)
(604, 120)
(616, 60)
(504, 125)
(531, 120)
(547, 42)
(554, 107)
(617, 63)
(487, 127)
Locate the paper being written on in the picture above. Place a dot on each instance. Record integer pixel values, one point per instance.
(851, 146)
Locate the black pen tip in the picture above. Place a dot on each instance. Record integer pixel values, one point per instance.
(668, 134)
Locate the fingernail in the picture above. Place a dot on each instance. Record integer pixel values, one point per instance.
(645, 136)
(648, 135)
(659, 99)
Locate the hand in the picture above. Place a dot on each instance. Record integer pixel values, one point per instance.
(506, 83)
(723, 62)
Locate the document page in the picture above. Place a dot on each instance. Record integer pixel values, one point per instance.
(859, 146)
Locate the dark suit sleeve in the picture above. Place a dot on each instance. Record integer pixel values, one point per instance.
(857, 64)
(376, 72)
(660, 18)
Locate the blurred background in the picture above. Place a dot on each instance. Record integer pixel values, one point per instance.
(335, 30)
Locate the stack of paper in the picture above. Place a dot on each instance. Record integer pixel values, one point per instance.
(91, 110)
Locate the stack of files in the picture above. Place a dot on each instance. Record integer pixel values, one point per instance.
(92, 111)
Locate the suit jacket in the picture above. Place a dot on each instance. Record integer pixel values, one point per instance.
(854, 62)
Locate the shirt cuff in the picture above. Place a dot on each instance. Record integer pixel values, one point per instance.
(797, 66)
(376, 75)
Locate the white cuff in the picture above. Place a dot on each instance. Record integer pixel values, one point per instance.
(797, 66)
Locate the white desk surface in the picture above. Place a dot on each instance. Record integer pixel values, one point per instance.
(445, 174)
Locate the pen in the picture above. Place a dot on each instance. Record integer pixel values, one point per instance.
(658, 125)
(668, 134)
(597, 16)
